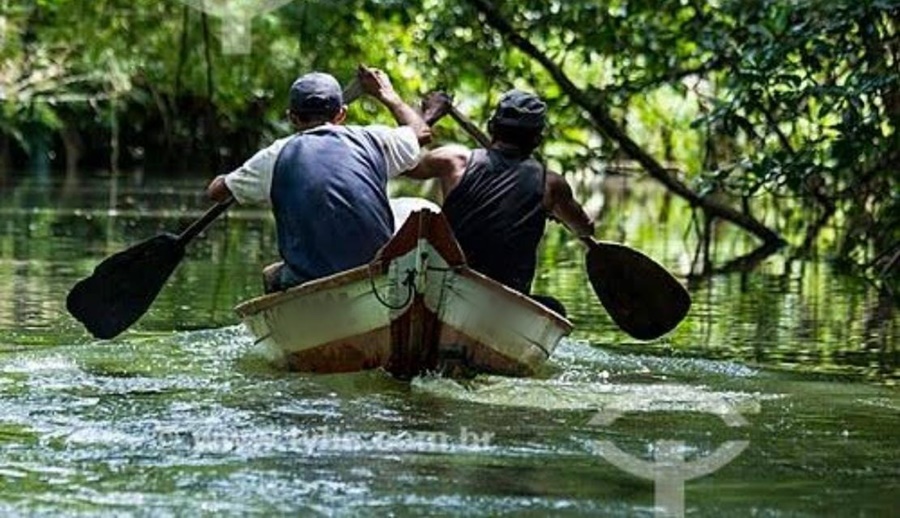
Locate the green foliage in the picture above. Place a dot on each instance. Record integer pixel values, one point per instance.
(813, 92)
(756, 98)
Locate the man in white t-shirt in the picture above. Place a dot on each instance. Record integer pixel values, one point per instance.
(327, 183)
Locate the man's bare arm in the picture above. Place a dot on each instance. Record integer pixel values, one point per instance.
(558, 199)
(377, 84)
(446, 163)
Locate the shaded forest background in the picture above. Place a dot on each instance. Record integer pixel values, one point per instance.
(779, 117)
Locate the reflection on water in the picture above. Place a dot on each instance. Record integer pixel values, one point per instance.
(183, 414)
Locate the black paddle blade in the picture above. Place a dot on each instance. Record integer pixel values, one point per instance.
(640, 295)
(124, 285)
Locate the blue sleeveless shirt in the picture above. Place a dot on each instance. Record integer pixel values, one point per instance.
(330, 201)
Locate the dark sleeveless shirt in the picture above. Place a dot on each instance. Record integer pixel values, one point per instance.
(330, 201)
(498, 217)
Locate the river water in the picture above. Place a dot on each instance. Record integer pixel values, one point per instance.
(776, 397)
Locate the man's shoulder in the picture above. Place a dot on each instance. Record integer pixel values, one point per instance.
(277, 144)
(457, 154)
(375, 132)
(556, 184)
(360, 134)
(458, 149)
(359, 128)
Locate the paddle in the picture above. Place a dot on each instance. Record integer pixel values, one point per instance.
(123, 286)
(640, 295)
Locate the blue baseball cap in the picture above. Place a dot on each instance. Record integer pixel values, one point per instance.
(316, 93)
(520, 109)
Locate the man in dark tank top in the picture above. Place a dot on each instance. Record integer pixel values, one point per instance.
(498, 199)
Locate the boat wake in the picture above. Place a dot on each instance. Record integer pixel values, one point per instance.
(581, 377)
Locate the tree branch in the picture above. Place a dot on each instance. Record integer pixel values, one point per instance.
(674, 75)
(606, 124)
(744, 263)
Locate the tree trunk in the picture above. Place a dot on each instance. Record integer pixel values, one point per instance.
(211, 119)
(73, 145)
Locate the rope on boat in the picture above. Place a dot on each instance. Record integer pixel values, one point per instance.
(409, 282)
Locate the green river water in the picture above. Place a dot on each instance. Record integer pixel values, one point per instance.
(791, 368)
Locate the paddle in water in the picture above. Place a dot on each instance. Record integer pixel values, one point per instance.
(124, 285)
(640, 295)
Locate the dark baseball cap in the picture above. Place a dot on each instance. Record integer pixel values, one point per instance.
(520, 109)
(316, 93)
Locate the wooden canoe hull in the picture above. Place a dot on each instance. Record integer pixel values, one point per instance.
(415, 308)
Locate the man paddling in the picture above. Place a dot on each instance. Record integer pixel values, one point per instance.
(498, 199)
(327, 182)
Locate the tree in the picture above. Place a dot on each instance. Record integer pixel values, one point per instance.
(789, 108)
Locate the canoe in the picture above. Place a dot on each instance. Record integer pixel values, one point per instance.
(415, 308)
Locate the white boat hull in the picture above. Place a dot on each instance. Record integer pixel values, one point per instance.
(417, 307)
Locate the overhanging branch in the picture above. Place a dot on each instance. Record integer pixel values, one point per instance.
(604, 122)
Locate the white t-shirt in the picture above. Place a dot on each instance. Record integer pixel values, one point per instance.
(252, 182)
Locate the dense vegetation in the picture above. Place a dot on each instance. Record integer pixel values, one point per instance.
(780, 117)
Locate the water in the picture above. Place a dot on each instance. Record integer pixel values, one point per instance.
(184, 415)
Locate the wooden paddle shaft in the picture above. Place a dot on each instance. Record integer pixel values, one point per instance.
(198, 226)
(469, 127)
(353, 91)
